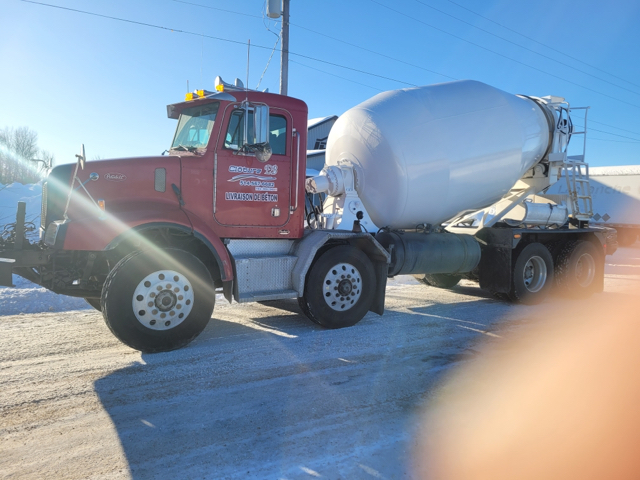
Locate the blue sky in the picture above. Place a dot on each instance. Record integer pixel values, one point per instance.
(76, 78)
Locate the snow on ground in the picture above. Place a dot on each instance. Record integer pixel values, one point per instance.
(28, 297)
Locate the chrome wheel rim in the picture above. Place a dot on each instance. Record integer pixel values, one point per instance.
(534, 274)
(585, 270)
(162, 300)
(342, 287)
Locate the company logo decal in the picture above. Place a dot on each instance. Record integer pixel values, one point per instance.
(250, 177)
(115, 177)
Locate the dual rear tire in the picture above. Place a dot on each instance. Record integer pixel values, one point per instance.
(532, 276)
(575, 271)
(578, 266)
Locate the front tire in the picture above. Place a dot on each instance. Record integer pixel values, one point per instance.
(158, 300)
(339, 289)
(532, 275)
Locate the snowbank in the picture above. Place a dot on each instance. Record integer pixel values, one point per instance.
(11, 194)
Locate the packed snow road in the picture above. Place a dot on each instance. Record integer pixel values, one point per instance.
(262, 393)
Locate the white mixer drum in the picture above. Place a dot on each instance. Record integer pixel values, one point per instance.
(423, 155)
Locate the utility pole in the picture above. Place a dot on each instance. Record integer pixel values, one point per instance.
(284, 53)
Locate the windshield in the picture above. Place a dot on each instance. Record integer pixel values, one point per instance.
(194, 127)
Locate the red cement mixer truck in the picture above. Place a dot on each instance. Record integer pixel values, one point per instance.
(434, 181)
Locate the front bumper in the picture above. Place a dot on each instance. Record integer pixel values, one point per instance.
(22, 262)
(19, 256)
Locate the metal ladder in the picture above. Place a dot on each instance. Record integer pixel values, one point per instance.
(576, 172)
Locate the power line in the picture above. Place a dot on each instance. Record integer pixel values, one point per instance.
(526, 48)
(326, 36)
(237, 42)
(608, 133)
(614, 134)
(418, 66)
(270, 48)
(397, 59)
(218, 9)
(613, 126)
(543, 44)
(337, 76)
(277, 35)
(373, 51)
(501, 55)
(608, 140)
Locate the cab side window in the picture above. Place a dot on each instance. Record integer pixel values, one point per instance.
(235, 132)
(278, 134)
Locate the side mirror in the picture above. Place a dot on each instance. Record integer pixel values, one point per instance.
(259, 144)
(261, 115)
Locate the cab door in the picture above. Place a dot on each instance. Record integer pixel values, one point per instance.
(250, 193)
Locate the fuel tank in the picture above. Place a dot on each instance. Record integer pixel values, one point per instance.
(425, 154)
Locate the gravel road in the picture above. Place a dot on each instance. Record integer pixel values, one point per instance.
(262, 393)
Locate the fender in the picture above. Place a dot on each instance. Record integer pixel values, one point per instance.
(97, 233)
(307, 248)
(214, 244)
(203, 231)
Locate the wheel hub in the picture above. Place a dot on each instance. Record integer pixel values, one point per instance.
(166, 300)
(585, 270)
(342, 287)
(163, 299)
(535, 274)
(345, 287)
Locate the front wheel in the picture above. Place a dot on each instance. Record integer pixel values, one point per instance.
(158, 300)
(339, 289)
(532, 275)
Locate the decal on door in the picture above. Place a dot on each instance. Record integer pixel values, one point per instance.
(252, 178)
(251, 197)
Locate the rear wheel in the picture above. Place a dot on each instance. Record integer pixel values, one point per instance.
(339, 289)
(532, 275)
(158, 300)
(577, 268)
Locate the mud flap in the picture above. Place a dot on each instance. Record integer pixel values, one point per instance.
(381, 270)
(494, 269)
